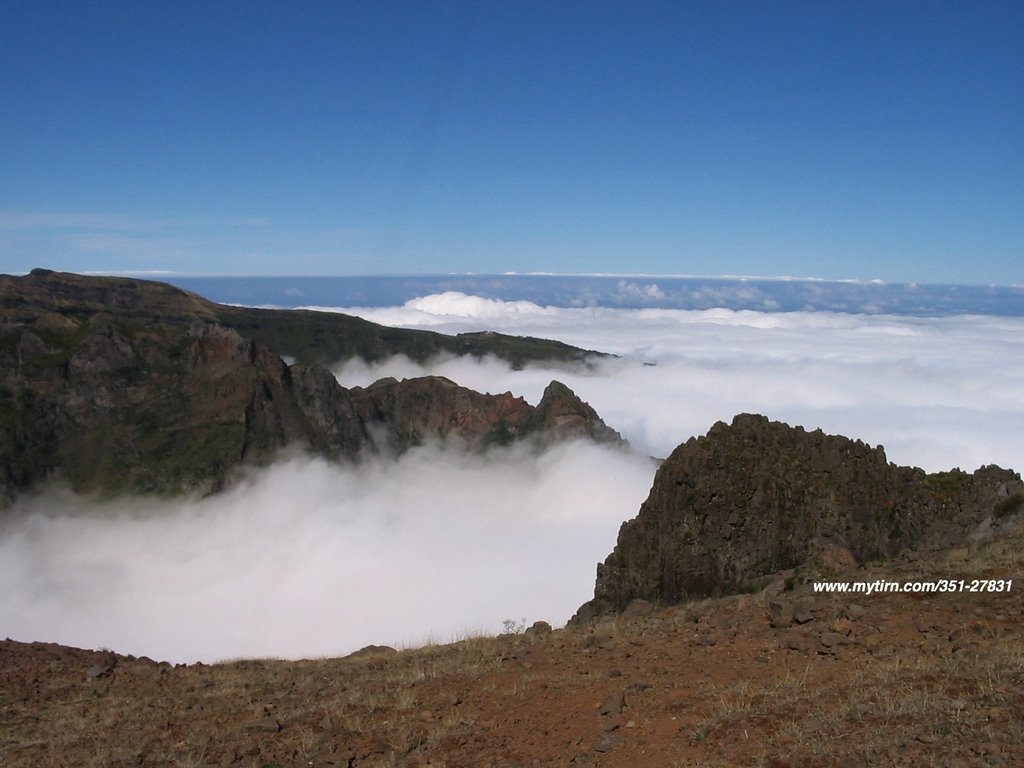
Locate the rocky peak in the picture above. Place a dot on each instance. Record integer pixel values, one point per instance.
(562, 413)
(757, 496)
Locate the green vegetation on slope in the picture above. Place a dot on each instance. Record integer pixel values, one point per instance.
(326, 338)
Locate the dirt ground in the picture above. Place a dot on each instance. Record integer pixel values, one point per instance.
(783, 677)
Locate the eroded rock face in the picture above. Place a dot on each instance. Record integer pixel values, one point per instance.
(757, 496)
(411, 412)
(117, 385)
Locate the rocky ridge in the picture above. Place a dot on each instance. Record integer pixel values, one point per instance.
(757, 497)
(118, 385)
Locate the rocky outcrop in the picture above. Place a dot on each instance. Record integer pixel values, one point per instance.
(560, 414)
(412, 412)
(757, 496)
(119, 385)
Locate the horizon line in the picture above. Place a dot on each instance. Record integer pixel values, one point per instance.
(168, 273)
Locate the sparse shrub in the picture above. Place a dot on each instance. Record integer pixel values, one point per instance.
(1011, 505)
(513, 627)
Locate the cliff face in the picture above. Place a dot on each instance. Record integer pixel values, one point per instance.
(756, 497)
(120, 385)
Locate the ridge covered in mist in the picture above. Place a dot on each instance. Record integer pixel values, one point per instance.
(120, 385)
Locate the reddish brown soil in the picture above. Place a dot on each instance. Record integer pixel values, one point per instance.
(910, 681)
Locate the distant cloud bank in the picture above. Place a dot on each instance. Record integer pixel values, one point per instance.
(760, 294)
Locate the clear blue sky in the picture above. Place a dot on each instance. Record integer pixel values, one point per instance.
(829, 139)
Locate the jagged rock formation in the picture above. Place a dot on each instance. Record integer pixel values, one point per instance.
(757, 496)
(412, 411)
(123, 385)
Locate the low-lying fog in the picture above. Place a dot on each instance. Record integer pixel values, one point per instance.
(310, 559)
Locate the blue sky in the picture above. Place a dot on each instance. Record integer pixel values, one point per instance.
(836, 140)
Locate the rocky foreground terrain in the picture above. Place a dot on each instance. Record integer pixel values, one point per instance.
(781, 677)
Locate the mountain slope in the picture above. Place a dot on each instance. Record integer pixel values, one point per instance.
(118, 385)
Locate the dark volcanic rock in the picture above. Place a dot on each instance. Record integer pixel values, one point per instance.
(410, 412)
(118, 385)
(757, 497)
(561, 414)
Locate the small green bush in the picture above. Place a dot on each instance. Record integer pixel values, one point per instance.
(1011, 505)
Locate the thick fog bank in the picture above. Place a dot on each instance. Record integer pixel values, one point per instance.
(936, 392)
(311, 559)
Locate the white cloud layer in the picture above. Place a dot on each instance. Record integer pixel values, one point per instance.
(311, 559)
(936, 392)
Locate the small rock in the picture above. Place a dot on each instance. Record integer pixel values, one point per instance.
(537, 630)
(833, 639)
(614, 704)
(790, 642)
(603, 642)
(99, 670)
(856, 612)
(103, 669)
(781, 613)
(842, 626)
(803, 614)
(608, 741)
(265, 725)
(372, 651)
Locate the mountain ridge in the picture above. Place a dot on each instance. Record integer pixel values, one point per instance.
(118, 385)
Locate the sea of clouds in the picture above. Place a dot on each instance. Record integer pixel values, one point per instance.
(308, 558)
(936, 392)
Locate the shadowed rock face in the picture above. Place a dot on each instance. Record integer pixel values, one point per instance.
(412, 411)
(757, 496)
(118, 385)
